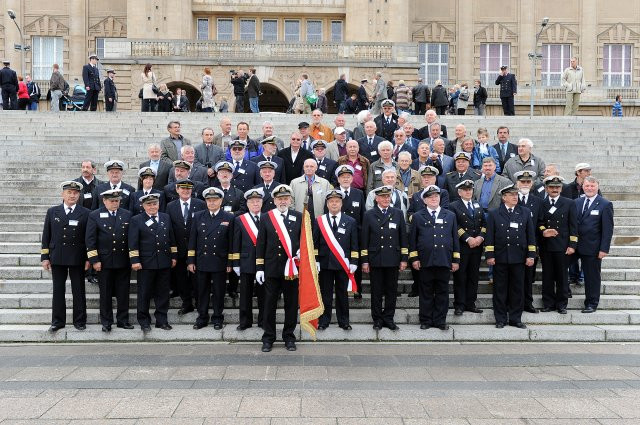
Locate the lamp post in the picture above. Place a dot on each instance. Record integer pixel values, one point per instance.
(534, 56)
(21, 46)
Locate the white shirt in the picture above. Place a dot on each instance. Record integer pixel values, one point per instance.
(188, 204)
(117, 186)
(66, 208)
(330, 217)
(526, 197)
(88, 182)
(554, 200)
(437, 211)
(294, 155)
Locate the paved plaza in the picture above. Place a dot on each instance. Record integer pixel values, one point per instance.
(321, 383)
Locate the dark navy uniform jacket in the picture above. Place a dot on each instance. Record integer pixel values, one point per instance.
(135, 207)
(469, 226)
(271, 257)
(152, 244)
(595, 226)
(267, 201)
(210, 241)
(91, 77)
(417, 203)
(280, 173)
(561, 217)
(63, 236)
(244, 251)
(170, 193)
(86, 194)
(452, 178)
(233, 201)
(247, 176)
(534, 203)
(182, 230)
(510, 238)
(354, 205)
(127, 191)
(327, 169)
(107, 238)
(508, 85)
(434, 243)
(384, 238)
(347, 237)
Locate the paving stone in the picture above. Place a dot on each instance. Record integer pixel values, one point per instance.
(606, 372)
(334, 333)
(42, 373)
(156, 407)
(94, 374)
(624, 407)
(302, 373)
(213, 406)
(258, 407)
(249, 372)
(81, 408)
(462, 374)
(621, 332)
(565, 407)
(391, 408)
(521, 407)
(25, 408)
(438, 407)
(189, 373)
(322, 407)
(507, 374)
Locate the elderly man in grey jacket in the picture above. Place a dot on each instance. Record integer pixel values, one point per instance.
(379, 94)
(573, 81)
(525, 160)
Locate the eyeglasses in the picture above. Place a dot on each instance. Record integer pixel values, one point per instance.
(237, 149)
(295, 138)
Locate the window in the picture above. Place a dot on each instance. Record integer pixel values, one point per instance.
(225, 29)
(555, 58)
(45, 52)
(291, 30)
(336, 31)
(203, 29)
(270, 30)
(314, 30)
(434, 63)
(492, 57)
(248, 29)
(616, 67)
(99, 47)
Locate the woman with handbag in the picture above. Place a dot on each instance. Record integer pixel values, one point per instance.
(463, 99)
(149, 90)
(207, 91)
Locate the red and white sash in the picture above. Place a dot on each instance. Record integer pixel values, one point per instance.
(290, 269)
(250, 227)
(336, 249)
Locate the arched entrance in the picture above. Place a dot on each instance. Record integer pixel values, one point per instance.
(272, 99)
(331, 106)
(193, 94)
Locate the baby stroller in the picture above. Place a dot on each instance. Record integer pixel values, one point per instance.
(75, 101)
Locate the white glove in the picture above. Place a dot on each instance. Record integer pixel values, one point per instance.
(237, 271)
(297, 256)
(318, 265)
(260, 277)
(352, 268)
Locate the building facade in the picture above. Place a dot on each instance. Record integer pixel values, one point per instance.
(453, 41)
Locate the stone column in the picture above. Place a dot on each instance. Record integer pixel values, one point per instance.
(529, 27)
(464, 44)
(589, 40)
(78, 41)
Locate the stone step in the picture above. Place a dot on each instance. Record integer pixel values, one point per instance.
(460, 333)
(607, 302)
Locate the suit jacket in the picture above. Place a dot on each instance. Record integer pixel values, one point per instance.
(91, 77)
(8, 80)
(107, 238)
(385, 130)
(333, 151)
(406, 147)
(347, 237)
(152, 245)
(169, 150)
(512, 151)
(170, 193)
(271, 257)
(281, 175)
(434, 243)
(86, 195)
(110, 90)
(182, 229)
(370, 152)
(162, 176)
(445, 165)
(452, 178)
(135, 207)
(499, 182)
(198, 173)
(320, 187)
(424, 133)
(63, 235)
(363, 98)
(293, 169)
(595, 226)
(561, 217)
(210, 241)
(384, 238)
(208, 157)
(181, 103)
(400, 201)
(127, 191)
(353, 205)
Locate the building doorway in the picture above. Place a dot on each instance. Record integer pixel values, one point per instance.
(193, 94)
(272, 99)
(332, 108)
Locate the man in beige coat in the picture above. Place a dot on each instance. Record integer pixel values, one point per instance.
(309, 182)
(573, 82)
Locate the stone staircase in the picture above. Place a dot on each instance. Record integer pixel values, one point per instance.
(39, 150)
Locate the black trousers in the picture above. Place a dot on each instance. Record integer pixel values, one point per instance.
(441, 110)
(592, 267)
(358, 276)
(434, 295)
(555, 287)
(420, 108)
(210, 286)
(508, 288)
(149, 105)
(248, 289)
(415, 284)
(328, 280)
(108, 106)
(91, 100)
(232, 285)
(384, 283)
(529, 279)
(508, 107)
(182, 281)
(465, 280)
(9, 100)
(273, 287)
(153, 283)
(239, 103)
(59, 306)
(114, 282)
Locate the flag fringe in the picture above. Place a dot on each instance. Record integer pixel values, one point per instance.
(308, 316)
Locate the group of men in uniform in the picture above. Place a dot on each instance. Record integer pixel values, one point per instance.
(198, 241)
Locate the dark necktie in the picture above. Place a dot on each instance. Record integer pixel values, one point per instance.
(433, 216)
(370, 141)
(225, 192)
(114, 187)
(384, 211)
(470, 208)
(284, 216)
(523, 200)
(460, 176)
(237, 166)
(553, 202)
(334, 226)
(396, 151)
(69, 210)
(346, 194)
(113, 214)
(146, 193)
(510, 210)
(268, 158)
(185, 211)
(304, 145)
(266, 188)
(256, 218)
(586, 207)
(154, 219)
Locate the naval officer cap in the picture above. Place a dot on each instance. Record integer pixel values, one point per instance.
(256, 192)
(388, 102)
(71, 185)
(508, 189)
(383, 190)
(270, 139)
(319, 144)
(430, 190)
(554, 181)
(462, 155)
(182, 164)
(94, 56)
(212, 192)
(344, 169)
(150, 198)
(237, 144)
(184, 184)
(334, 193)
(429, 170)
(525, 175)
(281, 190)
(224, 165)
(465, 184)
(146, 172)
(114, 164)
(111, 194)
(267, 164)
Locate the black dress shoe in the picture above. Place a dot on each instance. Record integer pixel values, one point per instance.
(357, 296)
(474, 310)
(531, 310)
(588, 310)
(185, 310)
(92, 279)
(458, 312)
(393, 327)
(145, 328)
(266, 347)
(346, 327)
(199, 325)
(125, 325)
(322, 327)
(499, 325)
(443, 327)
(562, 310)
(218, 326)
(546, 310)
(106, 328)
(166, 327)
(412, 294)
(290, 346)
(424, 326)
(55, 328)
(80, 327)
(242, 328)
(377, 326)
(518, 325)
